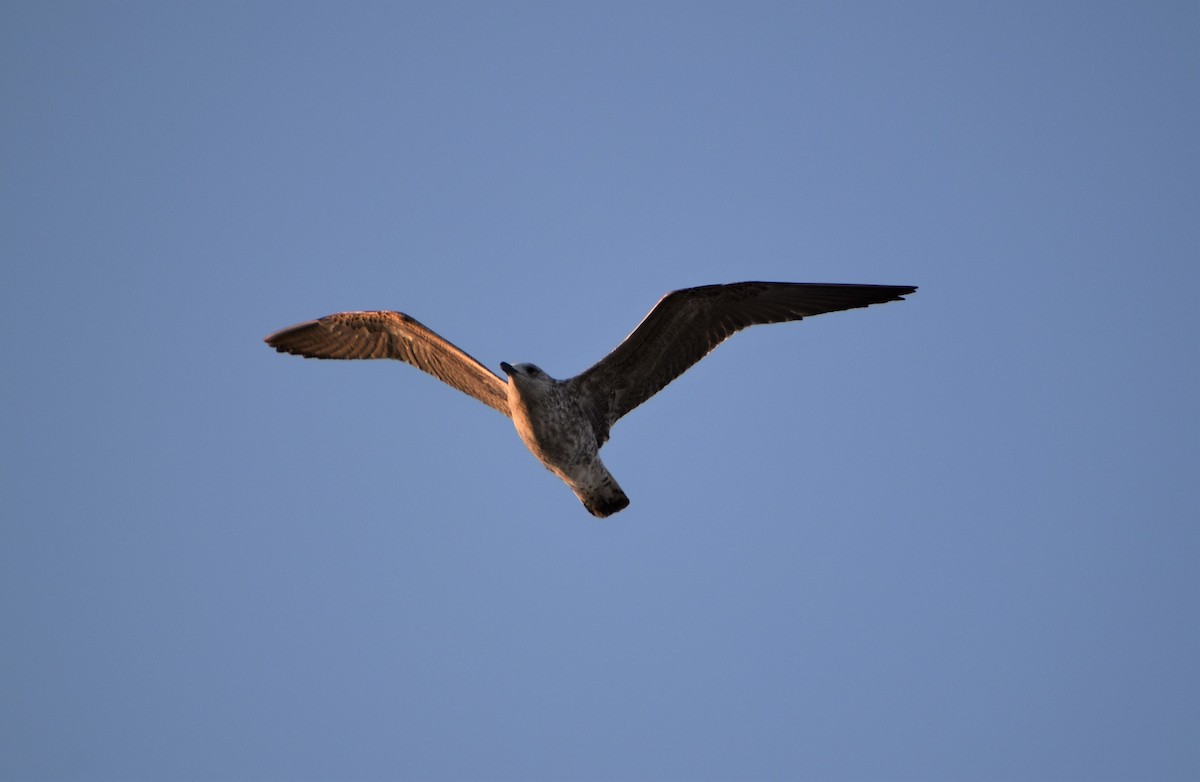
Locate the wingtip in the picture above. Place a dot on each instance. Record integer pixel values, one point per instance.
(281, 340)
(272, 341)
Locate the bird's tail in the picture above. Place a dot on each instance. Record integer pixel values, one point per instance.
(602, 498)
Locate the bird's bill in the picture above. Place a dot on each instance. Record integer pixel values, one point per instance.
(507, 367)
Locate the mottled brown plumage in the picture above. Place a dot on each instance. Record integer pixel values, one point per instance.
(564, 422)
(348, 335)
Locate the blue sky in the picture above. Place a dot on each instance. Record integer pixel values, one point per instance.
(953, 538)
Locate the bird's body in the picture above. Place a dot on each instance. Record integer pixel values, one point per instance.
(553, 426)
(564, 423)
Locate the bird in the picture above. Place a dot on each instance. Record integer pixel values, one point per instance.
(564, 423)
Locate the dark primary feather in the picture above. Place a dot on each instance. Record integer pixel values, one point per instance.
(687, 324)
(348, 335)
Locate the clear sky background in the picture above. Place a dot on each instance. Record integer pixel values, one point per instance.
(952, 538)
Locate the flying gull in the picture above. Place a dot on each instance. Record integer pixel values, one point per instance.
(565, 422)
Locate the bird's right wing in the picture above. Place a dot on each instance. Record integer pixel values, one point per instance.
(365, 335)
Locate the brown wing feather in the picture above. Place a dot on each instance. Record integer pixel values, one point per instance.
(687, 324)
(349, 335)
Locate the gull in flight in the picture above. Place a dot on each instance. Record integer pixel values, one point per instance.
(565, 422)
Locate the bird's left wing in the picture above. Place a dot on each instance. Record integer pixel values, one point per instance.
(687, 324)
(366, 335)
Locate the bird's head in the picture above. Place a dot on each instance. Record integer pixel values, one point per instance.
(527, 383)
(525, 372)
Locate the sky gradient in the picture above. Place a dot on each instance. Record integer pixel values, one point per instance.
(950, 538)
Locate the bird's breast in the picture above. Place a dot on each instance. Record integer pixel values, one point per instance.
(552, 427)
